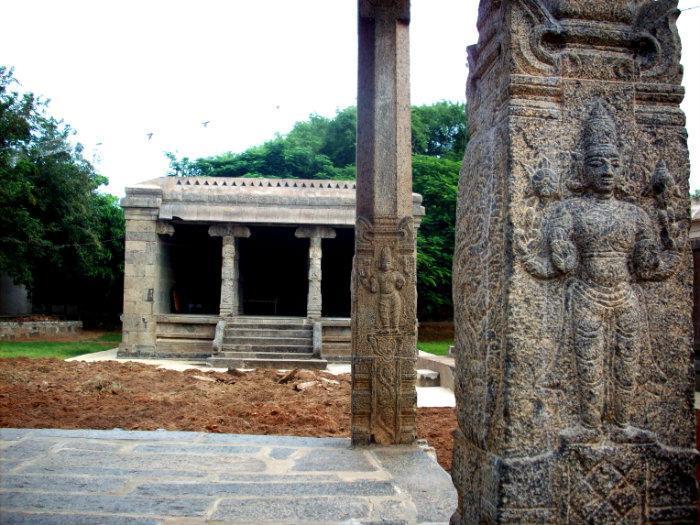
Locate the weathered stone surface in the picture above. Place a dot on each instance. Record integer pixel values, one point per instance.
(11, 330)
(291, 510)
(50, 518)
(332, 460)
(384, 267)
(309, 488)
(113, 477)
(572, 269)
(103, 504)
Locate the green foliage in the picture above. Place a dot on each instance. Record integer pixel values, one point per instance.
(59, 350)
(58, 236)
(695, 194)
(435, 347)
(436, 180)
(439, 130)
(324, 148)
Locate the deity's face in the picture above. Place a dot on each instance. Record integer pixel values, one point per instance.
(602, 169)
(385, 265)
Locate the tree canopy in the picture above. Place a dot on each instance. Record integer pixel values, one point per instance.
(59, 236)
(324, 148)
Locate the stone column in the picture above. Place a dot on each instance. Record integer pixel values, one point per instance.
(572, 269)
(230, 300)
(141, 206)
(384, 275)
(314, 300)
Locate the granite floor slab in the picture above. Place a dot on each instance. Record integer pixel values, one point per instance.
(119, 477)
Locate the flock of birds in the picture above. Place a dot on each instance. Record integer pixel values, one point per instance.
(205, 124)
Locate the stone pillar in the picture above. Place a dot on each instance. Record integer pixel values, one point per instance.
(230, 300)
(314, 300)
(141, 206)
(572, 269)
(384, 271)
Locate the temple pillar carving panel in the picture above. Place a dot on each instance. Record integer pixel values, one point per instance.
(572, 269)
(384, 272)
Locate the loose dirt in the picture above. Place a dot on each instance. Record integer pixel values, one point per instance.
(50, 393)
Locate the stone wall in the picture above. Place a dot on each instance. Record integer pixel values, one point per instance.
(11, 330)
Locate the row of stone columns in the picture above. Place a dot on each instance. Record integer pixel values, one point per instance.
(230, 295)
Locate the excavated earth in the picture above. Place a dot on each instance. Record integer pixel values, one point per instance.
(50, 393)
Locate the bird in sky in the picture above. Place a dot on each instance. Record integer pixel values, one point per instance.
(205, 123)
(98, 144)
(149, 135)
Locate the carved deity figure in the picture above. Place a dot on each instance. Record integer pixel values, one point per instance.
(387, 283)
(604, 246)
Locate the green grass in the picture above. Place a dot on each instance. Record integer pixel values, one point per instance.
(59, 350)
(435, 347)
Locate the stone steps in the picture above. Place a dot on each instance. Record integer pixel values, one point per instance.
(267, 332)
(281, 323)
(266, 341)
(265, 355)
(280, 364)
(280, 348)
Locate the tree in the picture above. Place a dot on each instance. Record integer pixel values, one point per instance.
(436, 180)
(58, 236)
(324, 148)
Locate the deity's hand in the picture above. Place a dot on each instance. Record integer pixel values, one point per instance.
(563, 255)
(646, 256)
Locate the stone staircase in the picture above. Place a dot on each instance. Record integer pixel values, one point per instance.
(267, 342)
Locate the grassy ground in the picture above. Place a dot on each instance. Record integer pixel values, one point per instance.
(59, 349)
(435, 347)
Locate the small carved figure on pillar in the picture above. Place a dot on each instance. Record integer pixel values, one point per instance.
(387, 282)
(603, 245)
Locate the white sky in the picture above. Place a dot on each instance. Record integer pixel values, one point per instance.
(117, 70)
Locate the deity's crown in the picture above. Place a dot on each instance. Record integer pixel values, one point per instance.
(600, 131)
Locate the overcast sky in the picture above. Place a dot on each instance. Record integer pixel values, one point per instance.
(119, 70)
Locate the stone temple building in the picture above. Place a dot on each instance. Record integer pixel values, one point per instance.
(242, 272)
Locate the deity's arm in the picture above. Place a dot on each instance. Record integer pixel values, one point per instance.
(399, 280)
(653, 259)
(373, 284)
(534, 241)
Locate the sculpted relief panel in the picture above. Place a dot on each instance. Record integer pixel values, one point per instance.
(384, 348)
(602, 246)
(572, 269)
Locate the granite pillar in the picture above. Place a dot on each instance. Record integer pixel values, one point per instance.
(384, 267)
(230, 300)
(141, 206)
(315, 234)
(572, 269)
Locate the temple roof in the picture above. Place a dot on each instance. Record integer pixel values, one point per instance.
(251, 200)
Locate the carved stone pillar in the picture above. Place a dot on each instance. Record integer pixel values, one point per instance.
(230, 301)
(384, 275)
(314, 300)
(141, 206)
(572, 270)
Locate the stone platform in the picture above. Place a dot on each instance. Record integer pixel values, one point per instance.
(134, 477)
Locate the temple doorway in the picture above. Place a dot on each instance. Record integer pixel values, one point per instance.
(273, 272)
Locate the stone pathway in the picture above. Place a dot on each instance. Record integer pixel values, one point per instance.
(75, 477)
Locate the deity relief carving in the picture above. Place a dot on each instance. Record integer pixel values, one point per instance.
(384, 282)
(601, 247)
(387, 283)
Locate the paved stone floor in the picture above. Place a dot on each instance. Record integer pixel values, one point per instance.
(112, 477)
